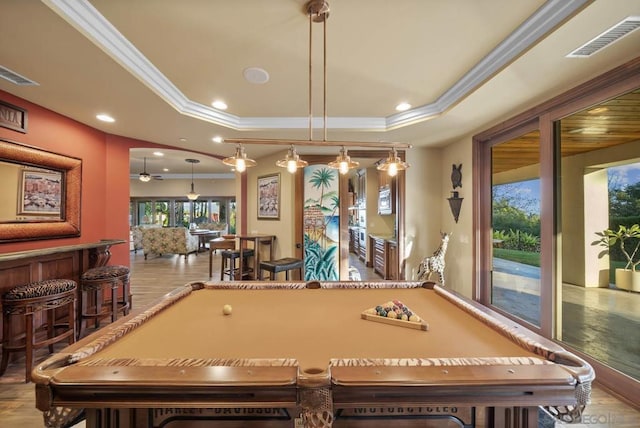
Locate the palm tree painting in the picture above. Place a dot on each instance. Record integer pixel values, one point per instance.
(321, 223)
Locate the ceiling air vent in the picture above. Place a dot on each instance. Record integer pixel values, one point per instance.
(14, 77)
(611, 35)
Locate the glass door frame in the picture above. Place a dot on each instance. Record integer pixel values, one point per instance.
(483, 240)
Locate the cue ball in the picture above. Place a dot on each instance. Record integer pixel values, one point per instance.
(226, 309)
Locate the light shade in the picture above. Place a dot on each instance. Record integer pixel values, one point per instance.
(343, 162)
(239, 161)
(144, 176)
(292, 161)
(393, 164)
(192, 195)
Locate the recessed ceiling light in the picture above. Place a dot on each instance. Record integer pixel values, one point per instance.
(255, 75)
(597, 110)
(105, 118)
(403, 106)
(182, 140)
(220, 105)
(158, 154)
(217, 139)
(588, 130)
(165, 169)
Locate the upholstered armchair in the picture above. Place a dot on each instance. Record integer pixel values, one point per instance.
(136, 237)
(169, 240)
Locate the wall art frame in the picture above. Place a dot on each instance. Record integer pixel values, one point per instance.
(269, 197)
(67, 223)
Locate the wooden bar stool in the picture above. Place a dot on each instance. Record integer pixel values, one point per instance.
(28, 300)
(92, 284)
(227, 242)
(281, 265)
(228, 266)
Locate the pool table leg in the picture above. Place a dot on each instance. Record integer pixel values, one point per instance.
(520, 417)
(317, 407)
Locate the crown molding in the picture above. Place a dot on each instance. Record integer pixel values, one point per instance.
(87, 20)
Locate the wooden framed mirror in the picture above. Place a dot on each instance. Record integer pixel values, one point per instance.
(40, 193)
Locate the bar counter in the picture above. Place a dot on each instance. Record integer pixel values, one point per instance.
(68, 262)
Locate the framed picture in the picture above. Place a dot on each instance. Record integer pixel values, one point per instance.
(13, 117)
(40, 193)
(269, 197)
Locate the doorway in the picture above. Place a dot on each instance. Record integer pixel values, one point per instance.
(368, 158)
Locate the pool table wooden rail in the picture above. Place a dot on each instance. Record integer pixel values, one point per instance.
(557, 378)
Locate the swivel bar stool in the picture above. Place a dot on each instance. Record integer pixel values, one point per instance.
(26, 302)
(92, 284)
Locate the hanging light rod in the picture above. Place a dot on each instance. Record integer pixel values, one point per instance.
(192, 195)
(144, 176)
(274, 142)
(316, 11)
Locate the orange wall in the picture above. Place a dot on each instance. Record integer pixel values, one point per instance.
(105, 175)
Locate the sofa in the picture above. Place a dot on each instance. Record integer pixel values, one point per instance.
(169, 240)
(136, 236)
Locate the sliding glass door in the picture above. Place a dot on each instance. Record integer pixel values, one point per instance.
(600, 187)
(515, 225)
(548, 182)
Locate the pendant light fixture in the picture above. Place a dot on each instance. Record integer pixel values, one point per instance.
(343, 162)
(316, 11)
(145, 177)
(292, 161)
(393, 164)
(239, 161)
(192, 195)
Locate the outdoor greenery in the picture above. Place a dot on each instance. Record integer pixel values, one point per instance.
(516, 225)
(624, 210)
(524, 257)
(624, 202)
(627, 239)
(517, 240)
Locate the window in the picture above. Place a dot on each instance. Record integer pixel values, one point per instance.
(177, 212)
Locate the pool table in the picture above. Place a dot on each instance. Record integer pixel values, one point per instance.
(293, 354)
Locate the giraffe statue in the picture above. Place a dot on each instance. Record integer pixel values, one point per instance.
(435, 263)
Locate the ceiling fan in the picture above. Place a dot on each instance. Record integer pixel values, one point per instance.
(145, 177)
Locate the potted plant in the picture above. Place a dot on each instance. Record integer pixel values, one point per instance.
(629, 277)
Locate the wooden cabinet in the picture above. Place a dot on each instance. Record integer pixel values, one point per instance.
(378, 255)
(392, 260)
(383, 257)
(68, 262)
(354, 244)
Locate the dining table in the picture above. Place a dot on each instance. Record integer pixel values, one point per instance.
(204, 236)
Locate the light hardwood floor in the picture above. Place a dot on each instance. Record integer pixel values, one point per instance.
(158, 275)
